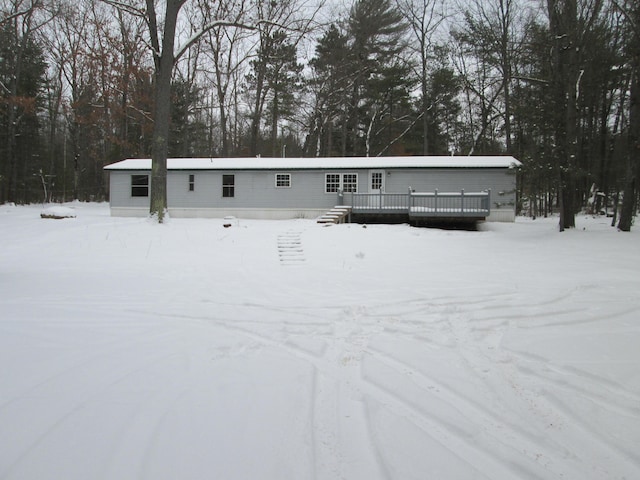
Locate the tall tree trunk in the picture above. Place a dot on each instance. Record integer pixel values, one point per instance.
(633, 154)
(505, 19)
(162, 102)
(630, 187)
(563, 31)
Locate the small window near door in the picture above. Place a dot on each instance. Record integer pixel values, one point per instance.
(228, 185)
(139, 185)
(283, 180)
(192, 183)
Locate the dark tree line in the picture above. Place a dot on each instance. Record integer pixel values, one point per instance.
(86, 83)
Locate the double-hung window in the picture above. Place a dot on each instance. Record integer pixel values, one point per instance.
(192, 183)
(228, 185)
(347, 182)
(139, 185)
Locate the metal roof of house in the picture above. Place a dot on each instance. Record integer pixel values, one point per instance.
(321, 163)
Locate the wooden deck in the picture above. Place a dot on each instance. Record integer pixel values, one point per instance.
(422, 205)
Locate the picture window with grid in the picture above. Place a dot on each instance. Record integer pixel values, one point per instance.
(347, 182)
(283, 180)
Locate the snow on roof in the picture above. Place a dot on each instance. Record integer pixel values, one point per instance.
(320, 163)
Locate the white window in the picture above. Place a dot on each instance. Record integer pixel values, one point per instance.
(332, 183)
(347, 182)
(283, 180)
(350, 182)
(376, 181)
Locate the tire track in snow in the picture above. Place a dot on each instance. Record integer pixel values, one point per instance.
(67, 412)
(564, 377)
(104, 350)
(425, 390)
(553, 379)
(594, 439)
(130, 458)
(335, 401)
(540, 391)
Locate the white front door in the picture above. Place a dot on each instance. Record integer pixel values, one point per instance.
(376, 181)
(376, 185)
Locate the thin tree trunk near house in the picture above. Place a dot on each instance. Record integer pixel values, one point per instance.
(256, 115)
(274, 124)
(12, 194)
(505, 60)
(425, 108)
(616, 201)
(221, 95)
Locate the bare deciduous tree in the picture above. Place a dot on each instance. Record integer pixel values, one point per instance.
(424, 18)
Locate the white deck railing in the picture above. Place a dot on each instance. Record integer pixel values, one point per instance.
(426, 204)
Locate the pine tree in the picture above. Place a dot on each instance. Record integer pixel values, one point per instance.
(22, 76)
(375, 29)
(330, 86)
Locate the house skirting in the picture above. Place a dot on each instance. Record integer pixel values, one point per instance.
(248, 213)
(502, 215)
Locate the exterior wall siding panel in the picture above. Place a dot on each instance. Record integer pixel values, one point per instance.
(257, 196)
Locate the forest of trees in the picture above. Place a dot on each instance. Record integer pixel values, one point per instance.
(84, 83)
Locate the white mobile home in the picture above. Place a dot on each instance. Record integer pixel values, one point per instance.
(279, 188)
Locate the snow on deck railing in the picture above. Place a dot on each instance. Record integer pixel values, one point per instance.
(456, 204)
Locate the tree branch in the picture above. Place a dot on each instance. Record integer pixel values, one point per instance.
(224, 23)
(125, 7)
(15, 15)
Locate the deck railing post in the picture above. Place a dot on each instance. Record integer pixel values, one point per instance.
(435, 201)
(462, 201)
(409, 199)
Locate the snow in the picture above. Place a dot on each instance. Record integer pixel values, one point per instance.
(292, 350)
(321, 163)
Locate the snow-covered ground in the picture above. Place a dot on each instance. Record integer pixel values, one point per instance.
(280, 350)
